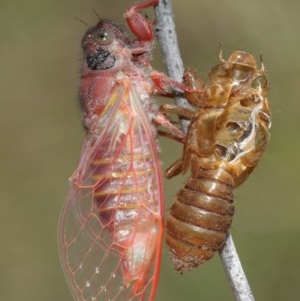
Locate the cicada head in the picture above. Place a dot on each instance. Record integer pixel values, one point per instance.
(242, 58)
(239, 67)
(105, 46)
(242, 65)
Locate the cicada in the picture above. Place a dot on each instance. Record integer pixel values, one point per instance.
(111, 225)
(228, 132)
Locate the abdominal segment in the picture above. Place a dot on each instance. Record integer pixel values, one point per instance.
(200, 219)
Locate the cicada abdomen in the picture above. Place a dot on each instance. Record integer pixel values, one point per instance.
(228, 132)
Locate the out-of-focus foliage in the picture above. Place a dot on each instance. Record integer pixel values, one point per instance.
(41, 135)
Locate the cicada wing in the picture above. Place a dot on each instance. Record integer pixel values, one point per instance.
(109, 251)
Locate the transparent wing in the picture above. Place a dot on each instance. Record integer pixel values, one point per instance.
(110, 227)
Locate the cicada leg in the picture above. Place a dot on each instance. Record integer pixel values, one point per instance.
(138, 23)
(174, 170)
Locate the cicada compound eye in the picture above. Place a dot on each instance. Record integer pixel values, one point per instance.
(104, 37)
(260, 83)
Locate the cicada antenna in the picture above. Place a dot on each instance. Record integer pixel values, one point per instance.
(81, 21)
(97, 15)
(220, 56)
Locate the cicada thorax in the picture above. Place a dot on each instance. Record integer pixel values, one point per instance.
(228, 131)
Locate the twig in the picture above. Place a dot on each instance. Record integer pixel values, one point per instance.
(235, 272)
(166, 34)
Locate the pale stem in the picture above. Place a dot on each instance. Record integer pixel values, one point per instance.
(234, 271)
(166, 34)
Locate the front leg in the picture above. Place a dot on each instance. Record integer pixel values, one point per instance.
(138, 23)
(166, 86)
(192, 80)
(174, 170)
(175, 133)
(183, 112)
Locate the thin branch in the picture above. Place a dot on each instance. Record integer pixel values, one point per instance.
(234, 271)
(166, 34)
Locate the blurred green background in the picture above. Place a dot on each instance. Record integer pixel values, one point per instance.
(41, 137)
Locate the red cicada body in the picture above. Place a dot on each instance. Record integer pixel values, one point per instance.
(111, 225)
(228, 132)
